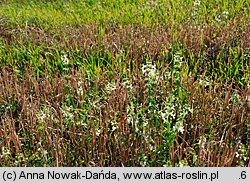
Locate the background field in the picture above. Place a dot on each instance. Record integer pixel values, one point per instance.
(124, 83)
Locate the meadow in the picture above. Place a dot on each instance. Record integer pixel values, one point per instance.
(124, 83)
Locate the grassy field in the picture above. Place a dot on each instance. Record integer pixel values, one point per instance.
(124, 83)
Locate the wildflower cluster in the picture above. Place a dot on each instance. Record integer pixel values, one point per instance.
(195, 11)
(174, 107)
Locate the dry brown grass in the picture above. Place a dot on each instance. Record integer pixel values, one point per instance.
(223, 123)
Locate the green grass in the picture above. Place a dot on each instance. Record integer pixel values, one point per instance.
(124, 83)
(58, 14)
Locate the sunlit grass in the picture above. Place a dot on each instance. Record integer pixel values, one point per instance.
(124, 83)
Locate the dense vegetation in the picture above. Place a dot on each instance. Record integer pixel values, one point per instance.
(124, 83)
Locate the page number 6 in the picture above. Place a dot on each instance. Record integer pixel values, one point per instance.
(243, 175)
